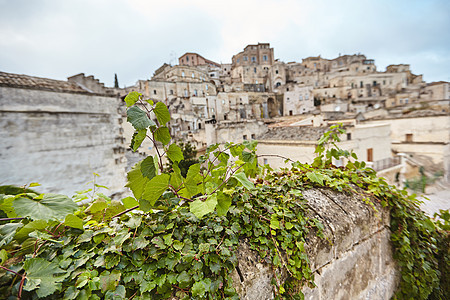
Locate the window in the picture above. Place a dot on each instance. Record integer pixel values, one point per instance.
(287, 89)
(182, 74)
(187, 58)
(276, 71)
(290, 112)
(264, 57)
(370, 154)
(306, 97)
(349, 136)
(244, 137)
(253, 136)
(245, 58)
(207, 87)
(154, 92)
(361, 84)
(265, 161)
(384, 82)
(300, 97)
(195, 93)
(315, 65)
(237, 60)
(171, 92)
(374, 83)
(254, 70)
(193, 76)
(225, 117)
(253, 58)
(277, 84)
(185, 92)
(409, 137)
(406, 100)
(199, 125)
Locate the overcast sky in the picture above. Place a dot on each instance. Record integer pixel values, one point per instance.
(60, 38)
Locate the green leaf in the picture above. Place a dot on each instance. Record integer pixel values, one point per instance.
(138, 138)
(136, 181)
(109, 281)
(7, 232)
(33, 184)
(6, 205)
(193, 179)
(177, 245)
(138, 118)
(129, 202)
(139, 243)
(175, 178)
(118, 294)
(97, 205)
(42, 274)
(148, 167)
(174, 153)
(22, 234)
(200, 208)
(45, 207)
(162, 134)
(3, 256)
(162, 113)
(223, 204)
(71, 293)
(132, 98)
(155, 188)
(198, 289)
(315, 177)
(73, 221)
(242, 178)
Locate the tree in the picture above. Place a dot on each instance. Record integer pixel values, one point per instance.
(116, 81)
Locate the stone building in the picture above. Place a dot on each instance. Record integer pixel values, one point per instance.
(194, 59)
(58, 133)
(252, 65)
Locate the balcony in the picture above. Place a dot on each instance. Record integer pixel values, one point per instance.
(386, 163)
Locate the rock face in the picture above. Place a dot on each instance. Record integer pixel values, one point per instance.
(55, 133)
(355, 263)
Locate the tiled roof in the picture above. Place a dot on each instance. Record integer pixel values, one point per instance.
(31, 82)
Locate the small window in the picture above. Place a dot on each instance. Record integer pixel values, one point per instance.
(253, 136)
(370, 154)
(409, 137)
(154, 92)
(244, 137)
(207, 87)
(254, 70)
(237, 60)
(277, 84)
(290, 112)
(182, 74)
(199, 125)
(276, 71)
(171, 92)
(245, 58)
(306, 97)
(300, 97)
(253, 58)
(195, 92)
(349, 136)
(264, 57)
(265, 161)
(287, 89)
(406, 100)
(187, 58)
(185, 92)
(225, 117)
(193, 76)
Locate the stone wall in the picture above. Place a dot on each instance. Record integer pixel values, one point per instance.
(355, 262)
(59, 139)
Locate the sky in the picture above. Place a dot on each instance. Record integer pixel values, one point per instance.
(60, 38)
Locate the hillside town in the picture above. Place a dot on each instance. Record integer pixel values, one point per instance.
(395, 121)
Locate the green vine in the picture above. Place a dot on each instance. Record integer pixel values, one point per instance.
(178, 236)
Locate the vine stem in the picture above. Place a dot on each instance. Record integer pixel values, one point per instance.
(9, 270)
(225, 181)
(10, 219)
(275, 155)
(125, 211)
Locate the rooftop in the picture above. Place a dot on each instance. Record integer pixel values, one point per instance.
(31, 82)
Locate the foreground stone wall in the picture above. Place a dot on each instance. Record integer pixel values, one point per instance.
(355, 262)
(59, 139)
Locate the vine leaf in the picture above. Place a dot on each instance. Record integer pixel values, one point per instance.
(162, 134)
(155, 188)
(175, 178)
(242, 178)
(6, 205)
(193, 178)
(174, 153)
(136, 181)
(73, 221)
(148, 167)
(162, 113)
(315, 177)
(109, 281)
(132, 98)
(45, 207)
(137, 139)
(41, 275)
(129, 202)
(138, 118)
(200, 208)
(7, 232)
(223, 204)
(40, 225)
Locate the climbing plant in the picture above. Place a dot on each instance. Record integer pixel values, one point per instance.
(178, 236)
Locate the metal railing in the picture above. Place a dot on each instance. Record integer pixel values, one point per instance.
(386, 163)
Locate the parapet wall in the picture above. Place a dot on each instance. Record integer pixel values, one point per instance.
(59, 139)
(355, 262)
